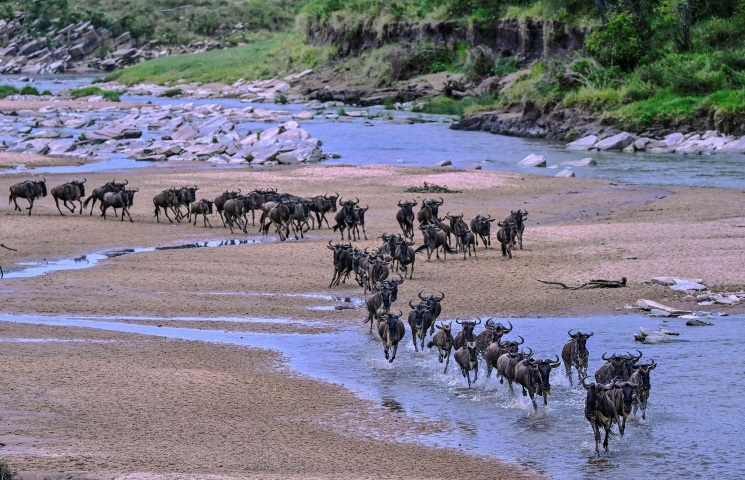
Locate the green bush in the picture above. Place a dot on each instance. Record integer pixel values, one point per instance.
(616, 44)
(109, 95)
(29, 90)
(172, 92)
(7, 90)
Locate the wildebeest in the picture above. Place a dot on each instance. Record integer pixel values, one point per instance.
(391, 331)
(98, 192)
(467, 241)
(575, 354)
(345, 219)
(299, 215)
(466, 358)
(233, 214)
(279, 216)
(405, 218)
(496, 350)
(507, 363)
(30, 190)
(202, 207)
(378, 304)
(428, 213)
(123, 200)
(377, 271)
(435, 306)
(641, 378)
(492, 333)
(517, 217)
(466, 333)
(167, 199)
(359, 217)
(69, 192)
(405, 256)
(481, 227)
(622, 395)
(443, 340)
(456, 226)
(533, 376)
(434, 239)
(185, 195)
(617, 367)
(419, 321)
(342, 262)
(322, 205)
(504, 235)
(220, 202)
(600, 411)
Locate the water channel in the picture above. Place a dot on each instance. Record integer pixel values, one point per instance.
(363, 141)
(691, 429)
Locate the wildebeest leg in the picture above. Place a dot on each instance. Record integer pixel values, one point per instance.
(607, 432)
(80, 210)
(16, 205)
(56, 202)
(413, 339)
(124, 209)
(468, 376)
(395, 349)
(206, 220)
(72, 209)
(596, 432)
(447, 360)
(93, 203)
(31, 205)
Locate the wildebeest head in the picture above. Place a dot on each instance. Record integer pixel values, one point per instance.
(190, 193)
(454, 219)
(129, 195)
(593, 391)
(506, 229)
(628, 389)
(642, 373)
(630, 360)
(519, 216)
(500, 330)
(419, 311)
(385, 293)
(468, 326)
(446, 328)
(435, 206)
(511, 346)
(339, 249)
(543, 367)
(80, 186)
(391, 319)
(393, 284)
(463, 236)
(431, 230)
(332, 199)
(581, 340)
(43, 185)
(206, 206)
(618, 365)
(408, 209)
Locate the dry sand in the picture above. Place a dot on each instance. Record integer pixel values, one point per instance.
(143, 405)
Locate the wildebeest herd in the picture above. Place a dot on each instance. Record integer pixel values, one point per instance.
(621, 384)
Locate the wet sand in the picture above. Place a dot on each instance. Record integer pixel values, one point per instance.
(13, 160)
(147, 406)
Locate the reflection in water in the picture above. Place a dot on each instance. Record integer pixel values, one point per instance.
(393, 405)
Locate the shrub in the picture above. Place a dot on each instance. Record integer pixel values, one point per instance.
(29, 90)
(7, 90)
(109, 95)
(616, 44)
(173, 92)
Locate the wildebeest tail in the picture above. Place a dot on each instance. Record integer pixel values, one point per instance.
(420, 248)
(87, 201)
(448, 249)
(10, 198)
(335, 228)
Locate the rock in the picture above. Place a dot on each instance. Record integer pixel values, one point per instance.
(117, 132)
(655, 336)
(477, 167)
(585, 143)
(659, 313)
(736, 146)
(153, 157)
(184, 134)
(304, 115)
(287, 159)
(585, 162)
(95, 99)
(616, 142)
(37, 146)
(533, 160)
(673, 140)
(650, 304)
(685, 285)
(697, 323)
(29, 48)
(445, 163)
(566, 173)
(60, 147)
(640, 144)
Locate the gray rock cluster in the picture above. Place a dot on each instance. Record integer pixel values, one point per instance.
(692, 143)
(185, 132)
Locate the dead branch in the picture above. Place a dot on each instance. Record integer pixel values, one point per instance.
(591, 284)
(8, 248)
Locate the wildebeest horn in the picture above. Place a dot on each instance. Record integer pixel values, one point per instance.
(415, 203)
(338, 199)
(590, 334)
(239, 190)
(636, 359)
(502, 344)
(330, 247)
(585, 384)
(603, 356)
(529, 355)
(441, 201)
(556, 362)
(420, 295)
(357, 202)
(412, 306)
(501, 224)
(458, 321)
(84, 180)
(442, 296)
(522, 340)
(126, 182)
(508, 331)
(652, 365)
(477, 323)
(490, 323)
(570, 333)
(400, 279)
(525, 213)
(399, 204)
(337, 194)
(136, 190)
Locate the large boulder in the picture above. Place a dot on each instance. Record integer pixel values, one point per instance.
(585, 162)
(616, 142)
(533, 160)
(735, 146)
(566, 173)
(584, 143)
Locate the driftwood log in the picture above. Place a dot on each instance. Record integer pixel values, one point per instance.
(7, 248)
(591, 284)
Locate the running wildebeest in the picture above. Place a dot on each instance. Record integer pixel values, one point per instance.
(575, 354)
(379, 304)
(345, 219)
(342, 262)
(619, 367)
(202, 207)
(533, 376)
(507, 363)
(405, 256)
(123, 200)
(492, 333)
(233, 214)
(220, 202)
(359, 217)
(466, 333)
(517, 217)
(457, 225)
(167, 199)
(641, 378)
(428, 213)
(322, 205)
(497, 349)
(30, 190)
(466, 240)
(391, 331)
(600, 411)
(185, 195)
(98, 192)
(504, 235)
(69, 192)
(466, 358)
(443, 340)
(435, 239)
(405, 218)
(481, 227)
(622, 395)
(419, 321)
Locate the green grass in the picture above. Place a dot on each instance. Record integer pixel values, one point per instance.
(109, 95)
(281, 55)
(458, 107)
(29, 90)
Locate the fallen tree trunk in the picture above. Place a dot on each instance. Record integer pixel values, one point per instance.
(591, 284)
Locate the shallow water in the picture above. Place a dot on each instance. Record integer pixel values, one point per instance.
(36, 269)
(691, 430)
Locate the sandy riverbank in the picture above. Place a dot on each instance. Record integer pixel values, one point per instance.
(144, 405)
